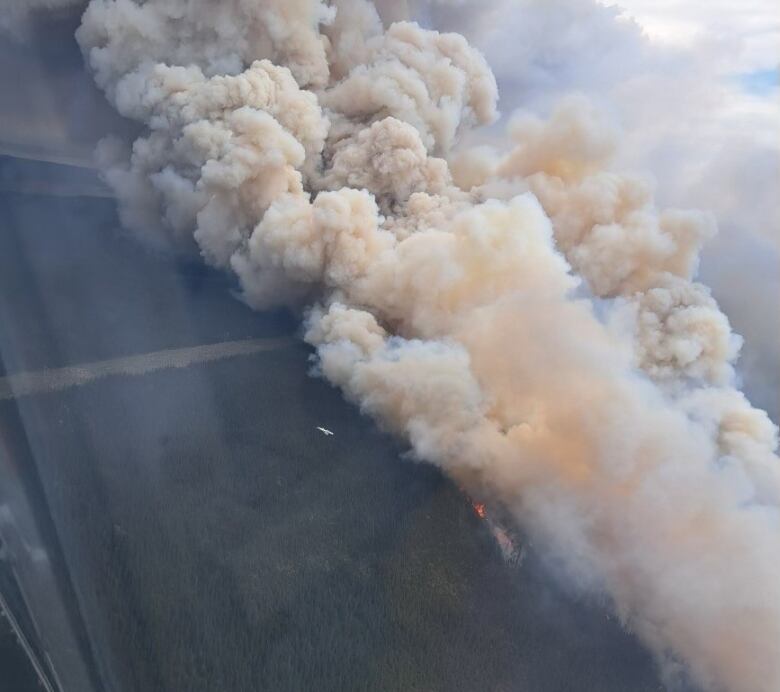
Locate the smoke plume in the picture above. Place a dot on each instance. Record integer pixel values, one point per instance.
(524, 315)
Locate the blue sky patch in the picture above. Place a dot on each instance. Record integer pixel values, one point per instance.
(759, 82)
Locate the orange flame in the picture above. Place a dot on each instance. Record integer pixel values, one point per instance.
(479, 508)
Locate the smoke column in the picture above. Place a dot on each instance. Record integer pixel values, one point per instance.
(525, 316)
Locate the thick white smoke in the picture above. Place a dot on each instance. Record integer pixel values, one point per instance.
(524, 315)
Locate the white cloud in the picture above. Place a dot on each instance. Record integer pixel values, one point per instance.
(751, 27)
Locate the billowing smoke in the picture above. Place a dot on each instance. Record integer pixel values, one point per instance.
(524, 315)
(696, 89)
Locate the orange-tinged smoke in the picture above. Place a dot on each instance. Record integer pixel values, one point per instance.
(526, 317)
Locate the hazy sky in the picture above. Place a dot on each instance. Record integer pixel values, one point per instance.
(694, 85)
(753, 24)
(734, 48)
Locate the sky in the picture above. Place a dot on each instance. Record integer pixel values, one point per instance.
(753, 25)
(737, 48)
(694, 86)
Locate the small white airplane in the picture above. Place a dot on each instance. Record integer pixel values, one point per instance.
(325, 431)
